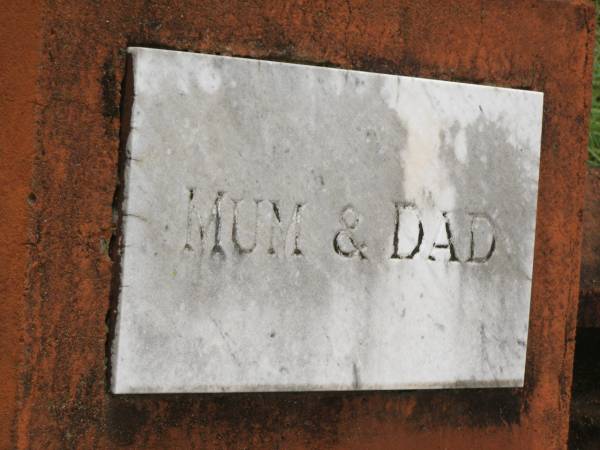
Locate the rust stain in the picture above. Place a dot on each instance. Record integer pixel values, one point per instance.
(65, 402)
(20, 45)
(589, 308)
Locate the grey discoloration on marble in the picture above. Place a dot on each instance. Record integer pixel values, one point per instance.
(286, 228)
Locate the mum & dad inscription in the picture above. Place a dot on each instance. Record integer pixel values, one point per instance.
(291, 227)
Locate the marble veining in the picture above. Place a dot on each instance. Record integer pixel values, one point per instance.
(292, 228)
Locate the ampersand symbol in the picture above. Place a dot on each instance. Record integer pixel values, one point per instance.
(344, 242)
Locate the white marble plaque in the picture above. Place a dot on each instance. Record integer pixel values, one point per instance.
(289, 227)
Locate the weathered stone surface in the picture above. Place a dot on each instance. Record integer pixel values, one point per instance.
(291, 227)
(69, 307)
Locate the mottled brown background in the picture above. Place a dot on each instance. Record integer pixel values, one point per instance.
(63, 65)
(589, 295)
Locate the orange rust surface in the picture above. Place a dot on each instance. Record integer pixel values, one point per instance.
(589, 307)
(20, 46)
(64, 400)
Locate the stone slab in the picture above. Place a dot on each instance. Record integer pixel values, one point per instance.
(291, 227)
